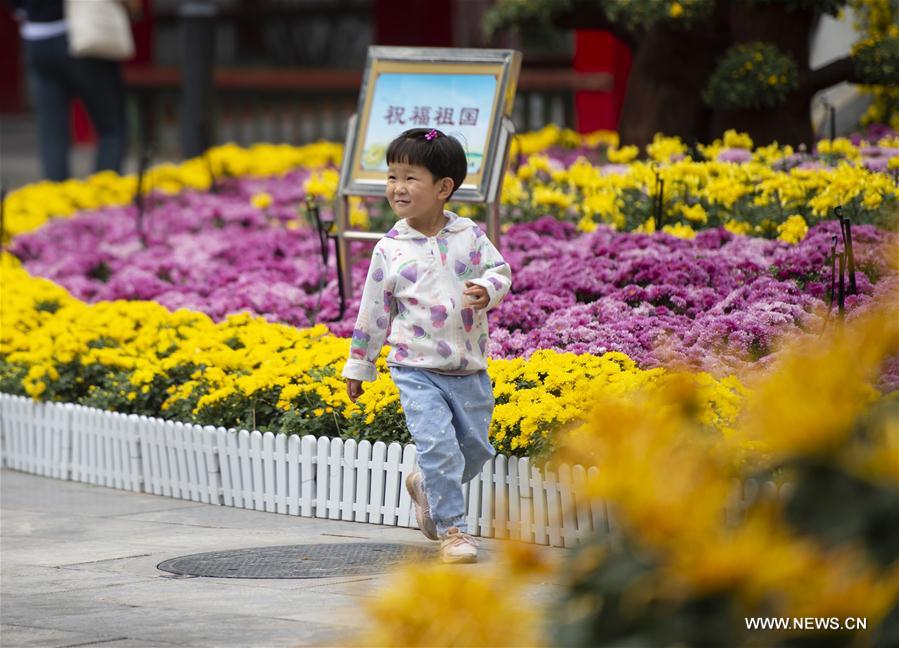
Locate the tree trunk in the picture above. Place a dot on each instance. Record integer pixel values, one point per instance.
(671, 67)
(790, 30)
(664, 90)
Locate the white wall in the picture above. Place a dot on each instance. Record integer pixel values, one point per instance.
(833, 40)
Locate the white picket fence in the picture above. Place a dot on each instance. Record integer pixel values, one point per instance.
(337, 479)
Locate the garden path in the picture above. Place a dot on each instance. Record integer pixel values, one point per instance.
(79, 568)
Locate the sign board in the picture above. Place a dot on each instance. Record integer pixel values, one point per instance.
(465, 93)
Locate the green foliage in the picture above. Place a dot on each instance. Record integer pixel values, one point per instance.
(46, 306)
(303, 421)
(517, 13)
(635, 15)
(388, 426)
(643, 14)
(12, 377)
(616, 593)
(839, 507)
(836, 506)
(100, 272)
(878, 19)
(830, 7)
(234, 342)
(754, 76)
(96, 385)
(599, 607)
(107, 390)
(876, 61)
(256, 412)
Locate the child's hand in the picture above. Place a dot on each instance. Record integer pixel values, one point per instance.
(354, 389)
(478, 297)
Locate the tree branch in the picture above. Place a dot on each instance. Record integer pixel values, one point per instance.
(831, 74)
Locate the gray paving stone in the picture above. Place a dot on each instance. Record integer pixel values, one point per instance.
(104, 616)
(130, 643)
(43, 580)
(24, 636)
(79, 568)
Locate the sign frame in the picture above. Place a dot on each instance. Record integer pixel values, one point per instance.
(485, 186)
(505, 65)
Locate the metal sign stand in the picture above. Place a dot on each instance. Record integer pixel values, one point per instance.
(342, 217)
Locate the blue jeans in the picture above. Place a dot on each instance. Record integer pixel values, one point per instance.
(449, 419)
(56, 78)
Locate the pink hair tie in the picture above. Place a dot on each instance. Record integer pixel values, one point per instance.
(432, 134)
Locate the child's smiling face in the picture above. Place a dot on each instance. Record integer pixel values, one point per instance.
(414, 193)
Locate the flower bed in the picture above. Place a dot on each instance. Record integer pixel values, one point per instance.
(813, 538)
(138, 357)
(705, 299)
(30, 207)
(766, 191)
(688, 547)
(714, 302)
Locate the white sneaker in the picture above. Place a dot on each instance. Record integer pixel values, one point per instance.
(416, 489)
(458, 547)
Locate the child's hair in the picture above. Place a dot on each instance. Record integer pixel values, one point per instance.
(428, 147)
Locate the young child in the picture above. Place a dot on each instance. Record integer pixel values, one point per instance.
(432, 279)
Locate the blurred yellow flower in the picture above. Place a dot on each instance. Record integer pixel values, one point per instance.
(664, 149)
(30, 207)
(623, 155)
(445, 605)
(679, 230)
(261, 200)
(550, 197)
(738, 227)
(793, 229)
(694, 213)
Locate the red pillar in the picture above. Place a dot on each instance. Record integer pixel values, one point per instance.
(599, 51)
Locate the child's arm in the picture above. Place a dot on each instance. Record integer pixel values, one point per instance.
(375, 313)
(497, 276)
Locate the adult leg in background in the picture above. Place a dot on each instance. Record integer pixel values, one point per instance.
(47, 63)
(99, 85)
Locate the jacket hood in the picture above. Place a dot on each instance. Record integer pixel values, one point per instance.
(403, 231)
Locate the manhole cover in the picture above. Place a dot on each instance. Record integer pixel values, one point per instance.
(297, 561)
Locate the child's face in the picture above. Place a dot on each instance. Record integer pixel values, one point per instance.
(413, 192)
